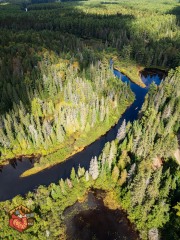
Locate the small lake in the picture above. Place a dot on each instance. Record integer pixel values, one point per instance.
(92, 220)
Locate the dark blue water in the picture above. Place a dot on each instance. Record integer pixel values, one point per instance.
(150, 79)
(10, 182)
(139, 92)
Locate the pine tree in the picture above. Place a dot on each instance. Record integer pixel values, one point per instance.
(115, 174)
(87, 176)
(81, 171)
(112, 153)
(93, 169)
(122, 131)
(73, 174)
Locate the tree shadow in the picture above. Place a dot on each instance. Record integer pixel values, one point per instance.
(176, 11)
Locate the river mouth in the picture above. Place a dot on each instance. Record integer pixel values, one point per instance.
(92, 220)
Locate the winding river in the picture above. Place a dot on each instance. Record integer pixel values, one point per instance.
(10, 182)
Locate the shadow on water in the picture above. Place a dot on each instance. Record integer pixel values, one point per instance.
(92, 220)
(150, 75)
(10, 182)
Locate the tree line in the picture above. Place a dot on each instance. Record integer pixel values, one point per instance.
(144, 183)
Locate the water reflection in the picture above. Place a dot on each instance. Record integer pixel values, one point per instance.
(92, 220)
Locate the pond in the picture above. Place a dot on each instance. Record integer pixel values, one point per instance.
(92, 220)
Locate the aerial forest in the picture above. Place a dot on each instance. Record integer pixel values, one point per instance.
(59, 93)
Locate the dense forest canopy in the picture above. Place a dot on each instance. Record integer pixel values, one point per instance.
(137, 170)
(58, 94)
(38, 74)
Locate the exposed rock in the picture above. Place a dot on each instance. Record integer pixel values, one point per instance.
(153, 234)
(157, 163)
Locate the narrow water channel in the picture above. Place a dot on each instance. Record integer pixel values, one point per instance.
(10, 182)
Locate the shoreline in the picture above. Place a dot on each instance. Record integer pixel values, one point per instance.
(36, 169)
(97, 199)
(72, 149)
(140, 84)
